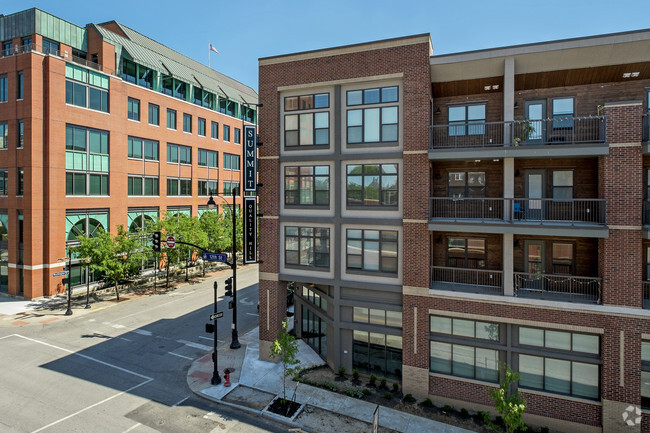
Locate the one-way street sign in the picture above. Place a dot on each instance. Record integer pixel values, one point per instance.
(215, 257)
(215, 316)
(60, 274)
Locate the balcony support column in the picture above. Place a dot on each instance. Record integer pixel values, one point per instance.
(508, 98)
(508, 265)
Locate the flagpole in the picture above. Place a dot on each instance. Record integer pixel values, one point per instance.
(209, 53)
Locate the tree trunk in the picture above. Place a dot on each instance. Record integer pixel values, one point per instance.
(117, 291)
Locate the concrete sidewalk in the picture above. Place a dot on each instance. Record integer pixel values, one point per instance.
(255, 383)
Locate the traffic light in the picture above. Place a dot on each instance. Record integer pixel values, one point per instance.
(229, 286)
(155, 239)
(209, 328)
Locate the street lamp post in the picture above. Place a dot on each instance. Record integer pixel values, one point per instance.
(87, 283)
(234, 344)
(216, 379)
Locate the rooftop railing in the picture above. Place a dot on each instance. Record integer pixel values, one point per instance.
(525, 210)
(554, 131)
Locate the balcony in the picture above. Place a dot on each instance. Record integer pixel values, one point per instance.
(564, 288)
(560, 136)
(467, 280)
(517, 215)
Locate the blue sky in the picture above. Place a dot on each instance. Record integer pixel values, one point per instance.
(244, 31)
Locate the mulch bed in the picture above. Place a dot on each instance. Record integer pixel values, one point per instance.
(286, 408)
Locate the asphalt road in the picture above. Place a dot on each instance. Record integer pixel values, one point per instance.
(122, 367)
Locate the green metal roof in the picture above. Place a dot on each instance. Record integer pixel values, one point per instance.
(30, 21)
(154, 55)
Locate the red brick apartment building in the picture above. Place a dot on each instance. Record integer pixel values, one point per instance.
(440, 215)
(102, 126)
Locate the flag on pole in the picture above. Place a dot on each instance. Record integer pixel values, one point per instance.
(212, 48)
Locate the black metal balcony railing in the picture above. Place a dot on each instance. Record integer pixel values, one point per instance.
(555, 131)
(567, 288)
(646, 294)
(467, 280)
(19, 49)
(525, 210)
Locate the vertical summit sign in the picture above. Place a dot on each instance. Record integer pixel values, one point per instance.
(250, 158)
(250, 230)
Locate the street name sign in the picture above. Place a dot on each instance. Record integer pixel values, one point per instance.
(215, 257)
(215, 316)
(60, 274)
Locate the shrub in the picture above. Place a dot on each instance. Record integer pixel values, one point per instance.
(329, 385)
(342, 371)
(447, 408)
(383, 382)
(427, 403)
(464, 412)
(485, 416)
(545, 430)
(366, 391)
(511, 406)
(388, 395)
(409, 398)
(356, 393)
(355, 374)
(373, 379)
(395, 386)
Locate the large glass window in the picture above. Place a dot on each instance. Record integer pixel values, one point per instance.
(133, 111)
(372, 250)
(372, 125)
(466, 184)
(208, 158)
(20, 139)
(20, 85)
(307, 246)
(372, 185)
(306, 129)
(143, 185)
(645, 372)
(86, 88)
(563, 184)
(563, 113)
(50, 47)
(4, 135)
(230, 161)
(314, 331)
(307, 185)
(154, 114)
(86, 161)
(4, 184)
(171, 118)
(214, 126)
(179, 187)
(226, 133)
(208, 187)
(464, 361)
(187, 122)
(377, 317)
(467, 120)
(179, 154)
(229, 186)
(464, 328)
(3, 88)
(200, 127)
(142, 148)
(227, 106)
(466, 253)
(379, 354)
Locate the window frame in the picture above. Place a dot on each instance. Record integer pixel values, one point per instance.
(179, 152)
(154, 114)
(381, 191)
(187, 123)
(89, 174)
(382, 253)
(200, 127)
(227, 161)
(306, 244)
(562, 119)
(133, 109)
(466, 253)
(301, 179)
(314, 130)
(205, 184)
(214, 130)
(558, 188)
(380, 125)
(469, 191)
(466, 126)
(143, 148)
(172, 119)
(182, 185)
(226, 133)
(208, 153)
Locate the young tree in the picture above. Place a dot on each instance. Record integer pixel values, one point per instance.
(117, 257)
(285, 347)
(510, 405)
